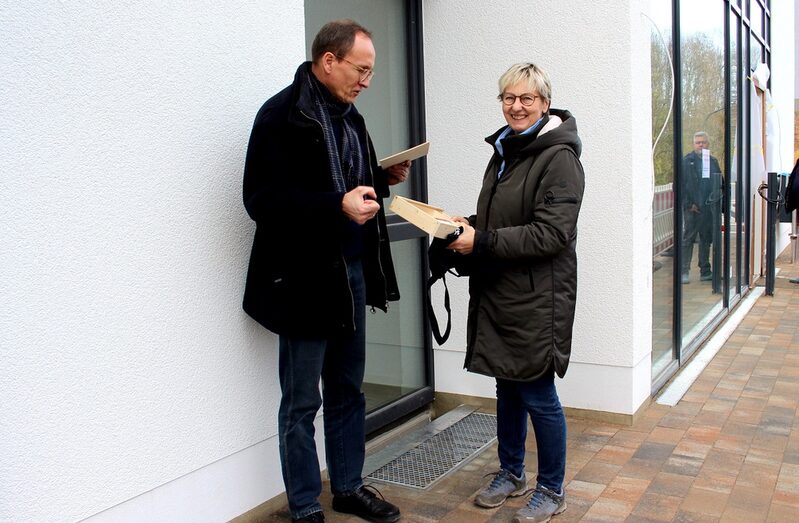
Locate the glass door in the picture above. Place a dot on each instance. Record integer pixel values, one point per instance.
(702, 72)
(663, 203)
(399, 373)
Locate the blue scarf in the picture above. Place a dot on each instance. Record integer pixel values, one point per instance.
(347, 165)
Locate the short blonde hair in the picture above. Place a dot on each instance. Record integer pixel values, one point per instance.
(537, 79)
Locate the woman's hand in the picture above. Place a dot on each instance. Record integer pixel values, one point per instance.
(465, 242)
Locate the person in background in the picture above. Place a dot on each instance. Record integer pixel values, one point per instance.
(700, 205)
(320, 256)
(523, 284)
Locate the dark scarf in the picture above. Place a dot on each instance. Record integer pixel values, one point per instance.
(347, 165)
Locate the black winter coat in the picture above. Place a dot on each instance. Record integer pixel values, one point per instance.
(697, 190)
(524, 288)
(297, 280)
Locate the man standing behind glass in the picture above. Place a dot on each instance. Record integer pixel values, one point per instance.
(701, 174)
(320, 255)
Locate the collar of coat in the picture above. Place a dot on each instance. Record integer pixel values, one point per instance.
(512, 145)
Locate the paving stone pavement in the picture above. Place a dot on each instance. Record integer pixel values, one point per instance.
(727, 452)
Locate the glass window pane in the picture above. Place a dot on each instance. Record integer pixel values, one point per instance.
(663, 215)
(756, 18)
(395, 351)
(734, 181)
(384, 104)
(756, 51)
(395, 363)
(744, 203)
(700, 173)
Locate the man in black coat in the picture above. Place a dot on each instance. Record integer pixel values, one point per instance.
(320, 256)
(701, 187)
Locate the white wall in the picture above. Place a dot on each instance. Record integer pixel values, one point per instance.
(128, 363)
(783, 89)
(595, 53)
(783, 74)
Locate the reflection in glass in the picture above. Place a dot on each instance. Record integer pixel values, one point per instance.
(700, 174)
(395, 364)
(734, 184)
(384, 104)
(395, 355)
(744, 203)
(756, 50)
(756, 18)
(663, 237)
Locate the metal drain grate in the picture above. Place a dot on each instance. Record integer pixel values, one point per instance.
(434, 457)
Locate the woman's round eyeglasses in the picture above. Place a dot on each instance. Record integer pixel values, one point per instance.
(526, 99)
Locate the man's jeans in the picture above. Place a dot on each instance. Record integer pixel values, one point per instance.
(340, 363)
(698, 225)
(539, 399)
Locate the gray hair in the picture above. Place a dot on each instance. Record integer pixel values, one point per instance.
(537, 79)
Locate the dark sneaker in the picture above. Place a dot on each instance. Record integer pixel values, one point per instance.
(316, 517)
(706, 277)
(543, 504)
(504, 485)
(366, 504)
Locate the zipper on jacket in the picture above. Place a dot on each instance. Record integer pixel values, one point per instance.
(470, 346)
(550, 198)
(491, 201)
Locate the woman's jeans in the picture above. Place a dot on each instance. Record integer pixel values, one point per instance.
(538, 399)
(340, 362)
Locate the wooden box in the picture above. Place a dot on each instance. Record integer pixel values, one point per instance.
(432, 220)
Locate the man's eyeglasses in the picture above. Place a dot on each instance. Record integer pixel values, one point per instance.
(365, 72)
(510, 99)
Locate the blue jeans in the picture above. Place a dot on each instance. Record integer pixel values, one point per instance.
(339, 362)
(538, 399)
(700, 225)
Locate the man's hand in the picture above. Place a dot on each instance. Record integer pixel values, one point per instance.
(398, 173)
(359, 204)
(694, 209)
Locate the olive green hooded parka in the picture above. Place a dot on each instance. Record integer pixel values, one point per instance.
(523, 283)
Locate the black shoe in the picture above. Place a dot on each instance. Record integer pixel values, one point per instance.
(706, 277)
(316, 517)
(366, 505)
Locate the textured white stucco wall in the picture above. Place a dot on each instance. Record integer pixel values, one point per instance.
(784, 71)
(597, 54)
(783, 74)
(127, 361)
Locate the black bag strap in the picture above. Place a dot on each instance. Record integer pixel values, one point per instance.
(440, 338)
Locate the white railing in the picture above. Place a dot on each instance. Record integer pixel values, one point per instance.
(663, 218)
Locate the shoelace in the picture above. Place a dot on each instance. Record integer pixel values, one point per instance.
(496, 482)
(497, 478)
(372, 490)
(538, 498)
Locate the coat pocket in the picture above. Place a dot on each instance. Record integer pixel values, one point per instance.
(551, 199)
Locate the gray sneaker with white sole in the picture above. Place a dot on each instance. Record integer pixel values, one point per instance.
(504, 485)
(543, 504)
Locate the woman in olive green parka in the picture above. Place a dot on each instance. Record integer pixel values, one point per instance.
(523, 283)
